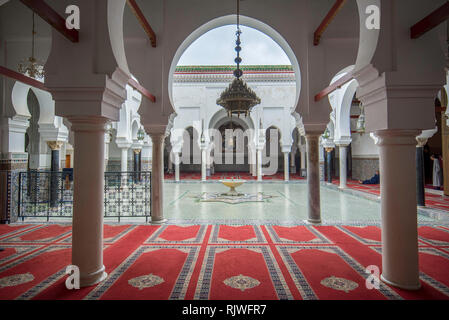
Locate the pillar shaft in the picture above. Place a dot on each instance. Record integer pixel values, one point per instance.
(203, 165)
(157, 178)
(135, 160)
(329, 165)
(124, 160)
(286, 166)
(420, 188)
(313, 178)
(88, 195)
(303, 162)
(177, 163)
(54, 178)
(55, 147)
(398, 208)
(259, 165)
(292, 162)
(343, 150)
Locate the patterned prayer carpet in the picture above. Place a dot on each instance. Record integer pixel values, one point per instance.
(217, 262)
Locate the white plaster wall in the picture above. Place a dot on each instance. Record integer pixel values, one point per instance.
(196, 101)
(363, 146)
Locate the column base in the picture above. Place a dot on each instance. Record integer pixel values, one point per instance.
(159, 221)
(405, 287)
(93, 278)
(314, 221)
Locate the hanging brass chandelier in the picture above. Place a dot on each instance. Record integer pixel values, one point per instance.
(238, 98)
(31, 67)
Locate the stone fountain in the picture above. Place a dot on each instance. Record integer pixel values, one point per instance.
(232, 184)
(232, 196)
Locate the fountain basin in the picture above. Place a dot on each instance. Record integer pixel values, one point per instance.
(232, 184)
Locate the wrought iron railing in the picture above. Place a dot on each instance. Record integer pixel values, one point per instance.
(44, 194)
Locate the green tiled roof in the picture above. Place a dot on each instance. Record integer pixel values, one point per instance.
(266, 68)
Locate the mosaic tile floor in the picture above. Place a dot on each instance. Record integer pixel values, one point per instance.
(434, 199)
(287, 205)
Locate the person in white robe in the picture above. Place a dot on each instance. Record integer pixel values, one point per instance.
(437, 172)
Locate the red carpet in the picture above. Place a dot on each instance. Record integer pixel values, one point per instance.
(217, 262)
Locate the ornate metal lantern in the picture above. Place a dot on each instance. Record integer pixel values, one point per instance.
(31, 66)
(140, 134)
(238, 98)
(326, 134)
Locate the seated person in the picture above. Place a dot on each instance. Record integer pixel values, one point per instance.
(374, 180)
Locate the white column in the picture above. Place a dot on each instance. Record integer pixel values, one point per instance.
(259, 165)
(313, 178)
(107, 140)
(302, 149)
(88, 195)
(286, 166)
(343, 152)
(124, 160)
(157, 178)
(250, 161)
(177, 163)
(170, 165)
(253, 164)
(292, 161)
(397, 151)
(203, 164)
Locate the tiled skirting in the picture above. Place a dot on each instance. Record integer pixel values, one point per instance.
(363, 169)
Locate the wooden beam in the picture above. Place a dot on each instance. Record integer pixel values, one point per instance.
(334, 86)
(22, 78)
(133, 83)
(143, 21)
(327, 20)
(44, 11)
(433, 20)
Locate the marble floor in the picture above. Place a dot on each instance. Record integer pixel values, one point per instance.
(288, 205)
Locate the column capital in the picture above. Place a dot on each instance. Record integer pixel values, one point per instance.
(55, 145)
(313, 134)
(123, 143)
(18, 124)
(343, 142)
(88, 124)
(329, 149)
(156, 130)
(396, 137)
(157, 137)
(286, 149)
(387, 97)
(421, 142)
(137, 151)
(425, 136)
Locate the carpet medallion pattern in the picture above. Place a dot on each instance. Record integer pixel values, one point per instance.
(218, 262)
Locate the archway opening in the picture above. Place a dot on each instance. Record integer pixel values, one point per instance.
(203, 67)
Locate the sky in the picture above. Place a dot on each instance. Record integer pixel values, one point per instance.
(216, 47)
